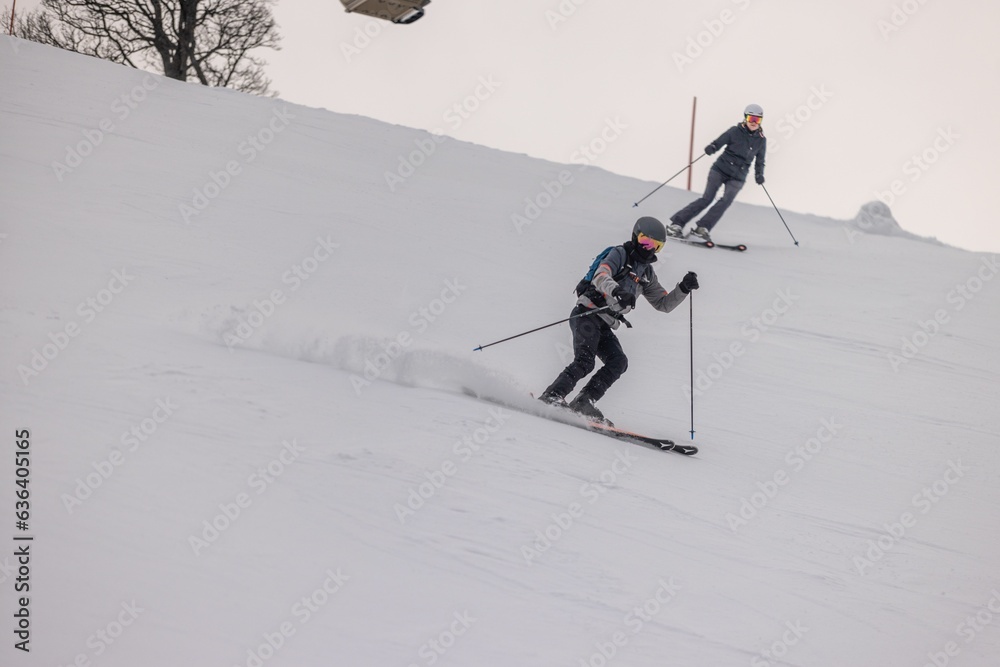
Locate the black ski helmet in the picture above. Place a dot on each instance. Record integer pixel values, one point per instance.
(651, 227)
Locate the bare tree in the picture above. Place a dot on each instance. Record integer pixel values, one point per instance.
(209, 41)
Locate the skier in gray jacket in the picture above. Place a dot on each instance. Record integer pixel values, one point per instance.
(624, 273)
(745, 144)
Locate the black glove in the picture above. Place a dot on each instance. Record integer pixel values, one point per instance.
(709, 149)
(625, 298)
(689, 282)
(760, 179)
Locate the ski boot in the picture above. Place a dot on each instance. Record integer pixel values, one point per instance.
(552, 398)
(583, 404)
(701, 233)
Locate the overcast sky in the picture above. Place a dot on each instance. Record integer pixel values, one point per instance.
(858, 95)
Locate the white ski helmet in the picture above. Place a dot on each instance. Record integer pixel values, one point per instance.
(753, 110)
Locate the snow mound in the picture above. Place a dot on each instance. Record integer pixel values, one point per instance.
(875, 217)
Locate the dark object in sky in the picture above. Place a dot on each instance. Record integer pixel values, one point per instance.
(397, 11)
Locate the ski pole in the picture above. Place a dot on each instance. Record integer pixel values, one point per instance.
(691, 338)
(779, 214)
(668, 180)
(571, 317)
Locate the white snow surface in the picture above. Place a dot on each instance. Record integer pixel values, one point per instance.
(842, 509)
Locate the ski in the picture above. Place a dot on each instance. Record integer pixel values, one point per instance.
(564, 415)
(738, 247)
(709, 244)
(661, 443)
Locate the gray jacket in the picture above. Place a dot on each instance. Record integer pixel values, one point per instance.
(638, 279)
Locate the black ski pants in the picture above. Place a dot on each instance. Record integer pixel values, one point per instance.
(592, 338)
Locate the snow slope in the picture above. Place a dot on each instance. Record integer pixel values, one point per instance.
(249, 442)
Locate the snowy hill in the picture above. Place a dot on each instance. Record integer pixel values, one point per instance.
(238, 331)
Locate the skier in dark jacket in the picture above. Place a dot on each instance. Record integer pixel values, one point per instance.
(744, 143)
(622, 275)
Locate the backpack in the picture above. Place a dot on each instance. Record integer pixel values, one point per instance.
(585, 285)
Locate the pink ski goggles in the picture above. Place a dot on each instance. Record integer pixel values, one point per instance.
(650, 243)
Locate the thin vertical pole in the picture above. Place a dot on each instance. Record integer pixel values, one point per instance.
(691, 332)
(694, 108)
(13, 8)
